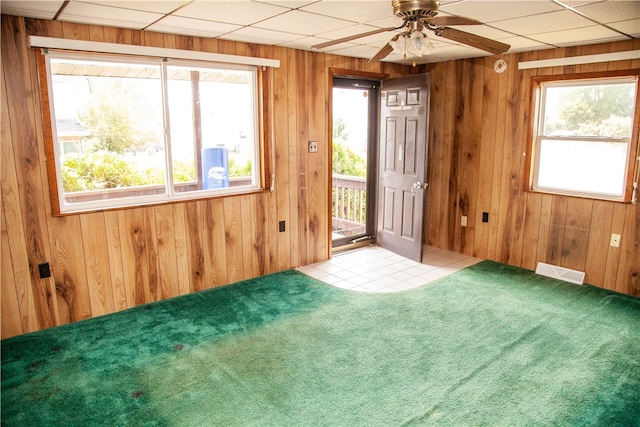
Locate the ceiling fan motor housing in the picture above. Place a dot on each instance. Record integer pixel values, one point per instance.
(415, 9)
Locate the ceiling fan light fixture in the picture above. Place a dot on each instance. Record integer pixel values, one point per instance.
(416, 43)
(419, 15)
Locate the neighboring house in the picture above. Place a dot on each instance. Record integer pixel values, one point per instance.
(70, 135)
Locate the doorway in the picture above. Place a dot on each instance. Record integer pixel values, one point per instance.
(354, 154)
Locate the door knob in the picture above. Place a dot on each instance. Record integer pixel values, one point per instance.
(418, 185)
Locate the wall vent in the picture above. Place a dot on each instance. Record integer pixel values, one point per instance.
(561, 273)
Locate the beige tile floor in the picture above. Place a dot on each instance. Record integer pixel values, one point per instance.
(374, 269)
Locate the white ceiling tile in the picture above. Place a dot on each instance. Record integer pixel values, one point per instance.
(348, 31)
(357, 11)
(291, 4)
(164, 6)
(232, 12)
(259, 35)
(457, 51)
(592, 34)
(88, 13)
(377, 39)
(305, 23)
(612, 11)
(358, 51)
(576, 3)
(192, 27)
(484, 31)
(299, 24)
(547, 22)
(523, 44)
(490, 11)
(447, 53)
(304, 43)
(630, 27)
(31, 9)
(391, 21)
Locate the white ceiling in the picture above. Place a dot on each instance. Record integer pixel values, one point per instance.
(300, 24)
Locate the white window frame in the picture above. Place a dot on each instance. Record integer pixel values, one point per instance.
(61, 206)
(631, 171)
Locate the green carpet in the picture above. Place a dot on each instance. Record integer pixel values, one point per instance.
(490, 345)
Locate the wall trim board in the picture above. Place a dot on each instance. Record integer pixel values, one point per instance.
(577, 60)
(161, 52)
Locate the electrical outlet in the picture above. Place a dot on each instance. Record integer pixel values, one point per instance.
(313, 146)
(281, 226)
(44, 270)
(485, 216)
(615, 240)
(463, 221)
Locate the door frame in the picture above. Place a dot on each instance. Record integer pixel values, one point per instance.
(372, 169)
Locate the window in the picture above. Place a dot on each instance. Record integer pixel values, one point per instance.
(131, 131)
(584, 142)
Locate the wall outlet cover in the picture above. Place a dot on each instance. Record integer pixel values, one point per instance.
(44, 270)
(615, 240)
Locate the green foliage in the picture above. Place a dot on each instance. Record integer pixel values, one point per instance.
(614, 126)
(184, 171)
(339, 130)
(598, 110)
(103, 170)
(115, 119)
(236, 171)
(346, 161)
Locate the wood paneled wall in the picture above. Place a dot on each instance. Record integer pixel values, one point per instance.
(479, 127)
(110, 261)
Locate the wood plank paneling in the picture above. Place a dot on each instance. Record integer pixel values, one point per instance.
(194, 223)
(181, 250)
(524, 228)
(168, 272)
(114, 247)
(599, 234)
(531, 231)
(103, 262)
(300, 140)
(17, 300)
(96, 261)
(72, 290)
(217, 239)
(485, 160)
(22, 106)
(576, 237)
(10, 310)
(233, 233)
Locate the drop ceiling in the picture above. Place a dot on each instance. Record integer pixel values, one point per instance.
(300, 24)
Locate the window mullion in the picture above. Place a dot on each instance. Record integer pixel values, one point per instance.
(167, 130)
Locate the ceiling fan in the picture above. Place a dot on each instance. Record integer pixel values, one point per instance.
(418, 15)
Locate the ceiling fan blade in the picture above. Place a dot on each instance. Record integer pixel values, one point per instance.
(452, 20)
(386, 50)
(472, 40)
(349, 38)
(382, 53)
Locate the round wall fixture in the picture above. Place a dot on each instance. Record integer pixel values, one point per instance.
(500, 66)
